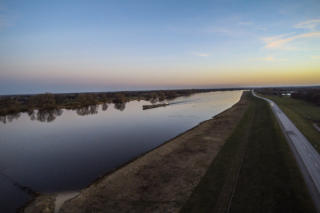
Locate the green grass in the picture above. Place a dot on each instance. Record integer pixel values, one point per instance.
(254, 172)
(303, 114)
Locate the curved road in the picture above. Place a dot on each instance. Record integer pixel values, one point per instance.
(307, 157)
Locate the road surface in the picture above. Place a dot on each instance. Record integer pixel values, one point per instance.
(307, 157)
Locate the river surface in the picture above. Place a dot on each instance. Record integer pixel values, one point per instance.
(66, 150)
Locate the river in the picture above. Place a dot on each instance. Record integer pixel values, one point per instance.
(65, 150)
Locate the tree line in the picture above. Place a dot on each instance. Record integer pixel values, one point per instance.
(310, 94)
(12, 104)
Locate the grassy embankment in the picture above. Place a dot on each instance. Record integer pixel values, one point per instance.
(254, 172)
(303, 114)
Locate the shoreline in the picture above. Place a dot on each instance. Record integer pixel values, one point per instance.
(46, 202)
(11, 105)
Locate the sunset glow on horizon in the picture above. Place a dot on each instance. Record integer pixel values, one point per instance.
(76, 46)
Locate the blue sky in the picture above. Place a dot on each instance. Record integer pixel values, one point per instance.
(67, 46)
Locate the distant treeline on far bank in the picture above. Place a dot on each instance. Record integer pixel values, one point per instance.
(12, 104)
(310, 94)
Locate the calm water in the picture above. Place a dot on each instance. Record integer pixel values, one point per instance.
(67, 149)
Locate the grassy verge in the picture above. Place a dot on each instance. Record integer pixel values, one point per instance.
(303, 114)
(254, 172)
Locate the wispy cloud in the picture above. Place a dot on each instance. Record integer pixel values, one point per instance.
(252, 26)
(280, 41)
(220, 30)
(200, 54)
(233, 32)
(262, 28)
(270, 59)
(310, 24)
(245, 23)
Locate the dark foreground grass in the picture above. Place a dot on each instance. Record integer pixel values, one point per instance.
(303, 114)
(254, 172)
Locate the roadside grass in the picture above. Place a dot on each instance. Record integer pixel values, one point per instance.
(303, 114)
(255, 170)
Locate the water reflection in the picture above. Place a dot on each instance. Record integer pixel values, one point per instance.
(46, 116)
(39, 115)
(87, 110)
(104, 106)
(9, 118)
(51, 115)
(120, 106)
(154, 100)
(32, 115)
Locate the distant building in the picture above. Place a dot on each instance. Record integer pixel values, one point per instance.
(287, 93)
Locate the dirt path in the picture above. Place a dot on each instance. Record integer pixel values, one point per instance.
(161, 180)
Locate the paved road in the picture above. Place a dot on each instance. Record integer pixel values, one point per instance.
(307, 157)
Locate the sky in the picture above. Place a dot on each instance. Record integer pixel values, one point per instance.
(78, 46)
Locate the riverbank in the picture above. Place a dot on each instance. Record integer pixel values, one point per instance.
(162, 178)
(255, 171)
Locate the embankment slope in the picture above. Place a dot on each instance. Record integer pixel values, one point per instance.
(161, 180)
